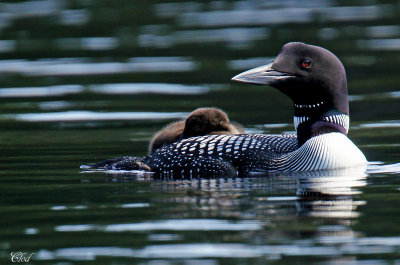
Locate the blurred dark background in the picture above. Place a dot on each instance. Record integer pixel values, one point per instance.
(48, 44)
(82, 81)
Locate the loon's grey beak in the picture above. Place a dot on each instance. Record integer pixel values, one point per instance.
(262, 75)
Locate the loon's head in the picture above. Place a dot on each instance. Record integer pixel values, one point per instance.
(205, 121)
(307, 74)
(313, 77)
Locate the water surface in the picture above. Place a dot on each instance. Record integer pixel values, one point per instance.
(82, 81)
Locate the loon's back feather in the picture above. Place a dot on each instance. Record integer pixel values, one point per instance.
(241, 154)
(237, 153)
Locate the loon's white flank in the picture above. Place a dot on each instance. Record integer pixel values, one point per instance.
(326, 151)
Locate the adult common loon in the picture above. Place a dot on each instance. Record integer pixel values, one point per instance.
(202, 121)
(315, 80)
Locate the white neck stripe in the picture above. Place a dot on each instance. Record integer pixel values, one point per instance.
(341, 119)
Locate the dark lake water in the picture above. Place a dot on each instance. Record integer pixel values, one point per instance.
(82, 81)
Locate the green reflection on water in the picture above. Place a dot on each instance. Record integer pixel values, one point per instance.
(42, 187)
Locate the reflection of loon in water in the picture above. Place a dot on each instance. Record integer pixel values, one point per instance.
(315, 80)
(323, 194)
(329, 193)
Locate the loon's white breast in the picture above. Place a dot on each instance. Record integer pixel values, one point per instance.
(323, 152)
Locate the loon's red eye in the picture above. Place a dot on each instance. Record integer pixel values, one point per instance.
(306, 63)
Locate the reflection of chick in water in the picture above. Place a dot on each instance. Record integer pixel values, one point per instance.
(329, 193)
(200, 122)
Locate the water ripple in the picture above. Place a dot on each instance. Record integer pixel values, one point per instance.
(93, 116)
(380, 44)
(382, 124)
(279, 16)
(89, 43)
(84, 66)
(248, 63)
(379, 167)
(136, 88)
(49, 91)
(376, 245)
(171, 225)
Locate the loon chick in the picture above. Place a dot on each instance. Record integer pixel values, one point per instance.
(315, 80)
(171, 133)
(202, 121)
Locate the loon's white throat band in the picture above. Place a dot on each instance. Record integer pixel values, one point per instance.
(298, 120)
(341, 119)
(309, 106)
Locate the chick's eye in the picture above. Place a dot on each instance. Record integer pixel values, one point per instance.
(306, 63)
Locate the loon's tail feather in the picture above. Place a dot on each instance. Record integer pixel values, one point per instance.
(121, 163)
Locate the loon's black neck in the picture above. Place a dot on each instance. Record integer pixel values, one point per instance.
(315, 119)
